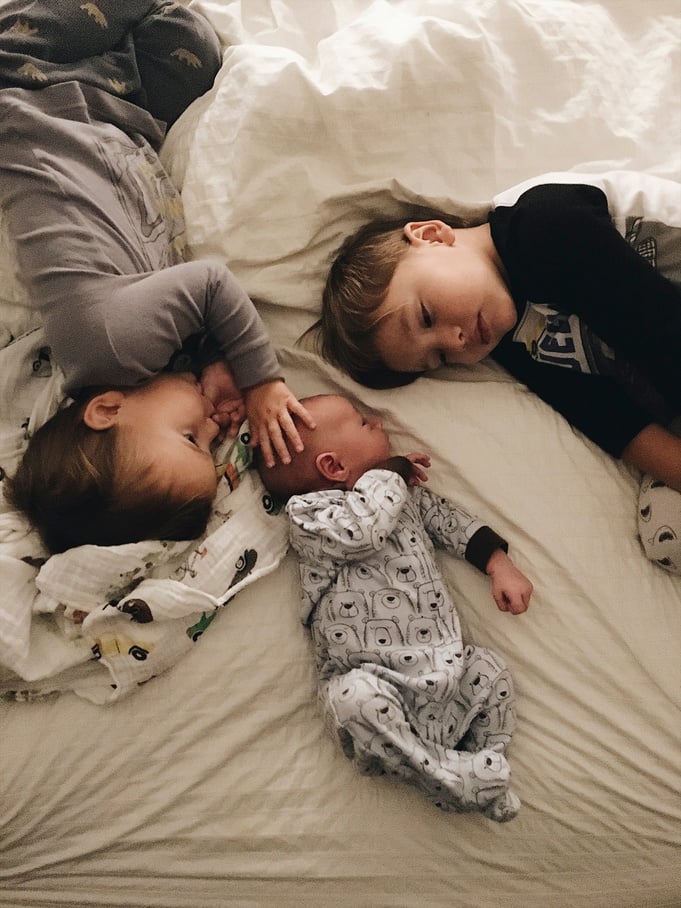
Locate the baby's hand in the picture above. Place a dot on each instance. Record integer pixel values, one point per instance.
(511, 589)
(408, 466)
(218, 385)
(418, 474)
(269, 408)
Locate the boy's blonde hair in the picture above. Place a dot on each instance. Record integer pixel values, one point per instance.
(356, 286)
(72, 486)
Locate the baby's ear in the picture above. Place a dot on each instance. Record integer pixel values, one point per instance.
(101, 411)
(425, 233)
(330, 467)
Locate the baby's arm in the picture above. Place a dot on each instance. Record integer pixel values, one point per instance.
(657, 452)
(349, 524)
(409, 467)
(511, 590)
(469, 538)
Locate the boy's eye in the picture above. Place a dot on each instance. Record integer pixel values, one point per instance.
(443, 359)
(425, 315)
(191, 438)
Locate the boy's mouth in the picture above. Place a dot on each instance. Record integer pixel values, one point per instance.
(483, 331)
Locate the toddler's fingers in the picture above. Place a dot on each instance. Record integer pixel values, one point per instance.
(278, 443)
(296, 407)
(289, 428)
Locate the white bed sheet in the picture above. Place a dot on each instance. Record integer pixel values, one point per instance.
(216, 784)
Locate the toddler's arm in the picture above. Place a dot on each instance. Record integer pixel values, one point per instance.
(511, 590)
(656, 451)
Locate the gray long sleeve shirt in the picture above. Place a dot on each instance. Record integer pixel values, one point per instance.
(99, 234)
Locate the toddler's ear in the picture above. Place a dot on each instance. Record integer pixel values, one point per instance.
(101, 411)
(425, 233)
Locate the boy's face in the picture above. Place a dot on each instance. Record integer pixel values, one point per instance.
(170, 431)
(447, 303)
(359, 442)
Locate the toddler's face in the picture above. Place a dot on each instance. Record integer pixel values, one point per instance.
(446, 304)
(168, 427)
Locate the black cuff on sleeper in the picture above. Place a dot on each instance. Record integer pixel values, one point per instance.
(481, 545)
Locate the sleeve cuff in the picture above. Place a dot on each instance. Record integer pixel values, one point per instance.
(481, 545)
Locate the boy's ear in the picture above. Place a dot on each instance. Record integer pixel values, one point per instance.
(330, 467)
(101, 411)
(425, 233)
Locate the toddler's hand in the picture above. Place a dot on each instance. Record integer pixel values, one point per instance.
(511, 589)
(218, 385)
(269, 408)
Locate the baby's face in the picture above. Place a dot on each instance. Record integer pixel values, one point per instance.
(169, 431)
(360, 441)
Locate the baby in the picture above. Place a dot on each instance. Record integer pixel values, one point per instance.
(401, 691)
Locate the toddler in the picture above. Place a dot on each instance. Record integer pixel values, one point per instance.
(160, 355)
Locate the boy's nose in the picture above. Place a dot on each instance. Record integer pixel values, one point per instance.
(456, 340)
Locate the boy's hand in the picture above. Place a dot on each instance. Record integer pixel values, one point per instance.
(269, 408)
(511, 589)
(218, 385)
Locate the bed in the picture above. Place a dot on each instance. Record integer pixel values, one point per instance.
(197, 770)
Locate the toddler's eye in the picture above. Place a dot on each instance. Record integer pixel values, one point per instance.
(191, 438)
(443, 359)
(425, 315)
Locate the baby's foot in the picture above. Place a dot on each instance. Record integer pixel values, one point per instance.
(504, 807)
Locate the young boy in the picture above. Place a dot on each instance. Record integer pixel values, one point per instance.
(99, 236)
(400, 690)
(552, 291)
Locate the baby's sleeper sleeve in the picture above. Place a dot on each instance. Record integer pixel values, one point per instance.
(449, 526)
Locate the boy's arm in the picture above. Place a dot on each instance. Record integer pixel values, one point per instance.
(657, 452)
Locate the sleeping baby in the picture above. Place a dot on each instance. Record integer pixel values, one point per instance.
(401, 692)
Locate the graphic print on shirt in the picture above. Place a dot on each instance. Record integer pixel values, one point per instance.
(156, 215)
(556, 339)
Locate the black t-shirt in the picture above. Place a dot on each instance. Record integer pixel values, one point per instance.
(599, 330)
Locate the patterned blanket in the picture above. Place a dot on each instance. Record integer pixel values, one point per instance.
(102, 620)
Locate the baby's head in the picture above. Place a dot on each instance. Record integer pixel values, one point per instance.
(121, 466)
(404, 298)
(342, 447)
